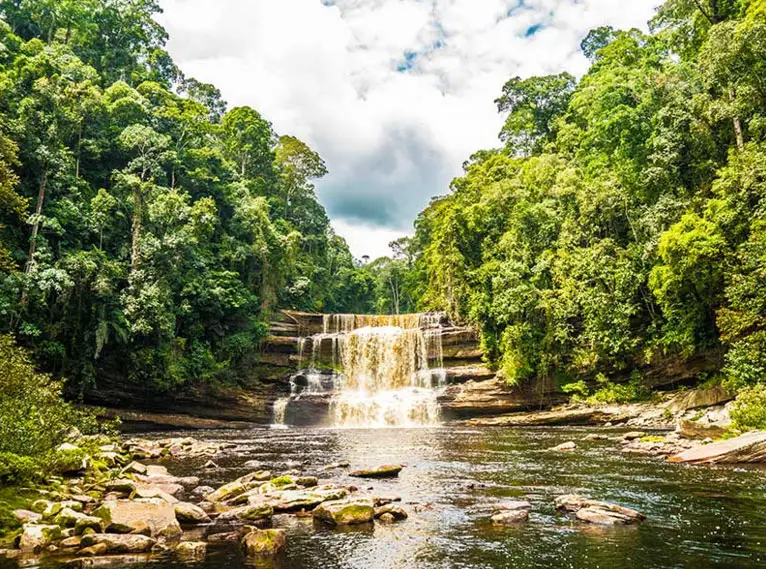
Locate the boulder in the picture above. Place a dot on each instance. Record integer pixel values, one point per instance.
(267, 542)
(191, 551)
(26, 516)
(121, 486)
(147, 491)
(68, 518)
(239, 486)
(386, 471)
(187, 513)
(510, 517)
(396, 513)
(597, 512)
(596, 437)
(695, 430)
(125, 516)
(135, 468)
(87, 523)
(568, 446)
(203, 491)
(696, 398)
(117, 543)
(294, 500)
(254, 513)
(748, 448)
(346, 512)
(96, 550)
(35, 538)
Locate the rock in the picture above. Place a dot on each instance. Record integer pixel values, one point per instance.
(697, 431)
(386, 471)
(125, 516)
(83, 499)
(510, 517)
(148, 491)
(597, 512)
(210, 465)
(596, 437)
(259, 543)
(25, 516)
(700, 398)
(121, 485)
(604, 516)
(96, 550)
(307, 481)
(239, 486)
(395, 512)
(293, 500)
(748, 448)
(35, 538)
(116, 543)
(156, 470)
(87, 523)
(252, 513)
(67, 447)
(190, 514)
(385, 500)
(68, 518)
(565, 446)
(71, 542)
(512, 506)
(346, 512)
(188, 551)
(387, 518)
(203, 491)
(632, 436)
(135, 468)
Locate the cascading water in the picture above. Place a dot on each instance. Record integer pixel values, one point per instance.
(379, 371)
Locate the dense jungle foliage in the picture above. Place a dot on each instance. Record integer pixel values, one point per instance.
(623, 221)
(147, 232)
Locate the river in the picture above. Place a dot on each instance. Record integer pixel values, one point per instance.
(698, 517)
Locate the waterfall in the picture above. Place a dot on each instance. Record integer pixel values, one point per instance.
(378, 371)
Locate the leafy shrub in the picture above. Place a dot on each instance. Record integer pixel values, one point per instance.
(610, 392)
(749, 409)
(15, 469)
(578, 390)
(34, 419)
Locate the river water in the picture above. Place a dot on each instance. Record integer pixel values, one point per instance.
(698, 517)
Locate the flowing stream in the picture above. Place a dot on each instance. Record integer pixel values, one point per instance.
(378, 371)
(697, 517)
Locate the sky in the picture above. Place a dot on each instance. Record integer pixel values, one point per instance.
(394, 94)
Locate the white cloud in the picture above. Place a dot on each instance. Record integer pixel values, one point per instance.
(394, 94)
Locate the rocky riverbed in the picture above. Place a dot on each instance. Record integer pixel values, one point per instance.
(320, 498)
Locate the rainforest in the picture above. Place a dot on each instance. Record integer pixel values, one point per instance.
(164, 254)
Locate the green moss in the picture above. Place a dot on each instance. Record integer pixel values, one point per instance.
(282, 481)
(652, 439)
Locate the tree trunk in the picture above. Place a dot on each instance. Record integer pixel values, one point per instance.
(136, 228)
(36, 224)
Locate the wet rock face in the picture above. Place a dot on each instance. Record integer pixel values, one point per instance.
(387, 471)
(191, 551)
(116, 543)
(264, 543)
(346, 512)
(602, 513)
(510, 517)
(158, 517)
(748, 448)
(34, 538)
